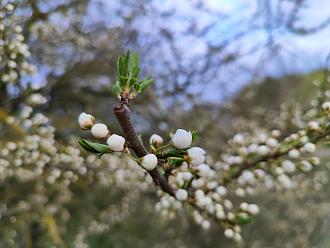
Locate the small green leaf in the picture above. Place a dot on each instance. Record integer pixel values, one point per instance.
(126, 62)
(175, 161)
(93, 147)
(116, 89)
(135, 69)
(145, 84)
(243, 218)
(194, 135)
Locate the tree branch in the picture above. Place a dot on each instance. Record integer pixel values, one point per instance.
(275, 155)
(122, 114)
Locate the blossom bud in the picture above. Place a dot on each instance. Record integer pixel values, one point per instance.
(100, 130)
(149, 162)
(181, 194)
(229, 233)
(253, 209)
(309, 147)
(288, 166)
(294, 153)
(221, 190)
(116, 143)
(263, 150)
(196, 155)
(156, 139)
(313, 125)
(182, 139)
(326, 106)
(86, 121)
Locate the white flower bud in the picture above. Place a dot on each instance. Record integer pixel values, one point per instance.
(288, 166)
(238, 139)
(313, 125)
(187, 176)
(271, 142)
(285, 181)
(182, 139)
(306, 166)
(116, 143)
(156, 139)
(181, 194)
(263, 150)
(253, 209)
(196, 155)
(229, 233)
(149, 162)
(294, 153)
(326, 106)
(86, 121)
(276, 133)
(309, 147)
(100, 130)
(244, 206)
(204, 170)
(206, 224)
(221, 190)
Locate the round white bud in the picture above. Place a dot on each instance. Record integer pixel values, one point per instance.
(263, 150)
(149, 162)
(229, 233)
(206, 224)
(156, 139)
(221, 190)
(86, 121)
(100, 130)
(116, 143)
(181, 194)
(294, 153)
(182, 139)
(196, 155)
(313, 125)
(288, 166)
(285, 181)
(326, 106)
(309, 147)
(253, 209)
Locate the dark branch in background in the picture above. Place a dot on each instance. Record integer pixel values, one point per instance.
(122, 113)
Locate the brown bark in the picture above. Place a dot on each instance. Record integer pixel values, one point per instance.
(122, 113)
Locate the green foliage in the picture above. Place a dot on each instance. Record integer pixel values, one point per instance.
(128, 69)
(94, 147)
(243, 218)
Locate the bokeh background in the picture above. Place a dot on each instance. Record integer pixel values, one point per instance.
(219, 67)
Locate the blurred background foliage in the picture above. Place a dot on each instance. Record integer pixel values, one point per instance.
(217, 86)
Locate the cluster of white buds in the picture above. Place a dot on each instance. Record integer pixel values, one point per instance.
(14, 52)
(116, 143)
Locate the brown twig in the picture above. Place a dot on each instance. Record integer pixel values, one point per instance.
(122, 112)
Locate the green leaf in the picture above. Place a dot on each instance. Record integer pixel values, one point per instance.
(116, 89)
(93, 147)
(194, 135)
(175, 161)
(135, 69)
(126, 62)
(120, 66)
(243, 218)
(145, 84)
